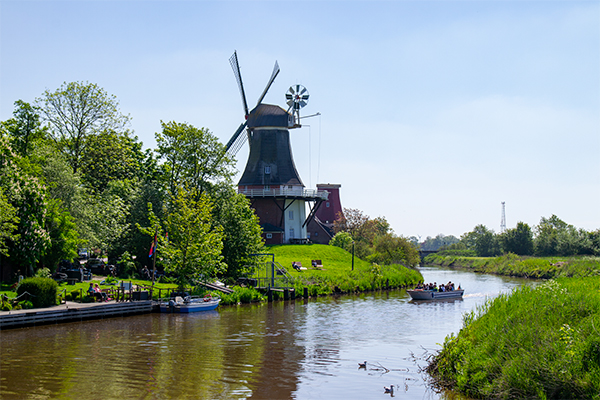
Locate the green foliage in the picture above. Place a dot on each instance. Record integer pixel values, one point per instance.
(242, 295)
(241, 230)
(63, 235)
(534, 343)
(390, 249)
(438, 242)
(8, 223)
(42, 290)
(76, 111)
(26, 305)
(193, 248)
(24, 129)
(518, 240)
(527, 267)
(482, 240)
(127, 267)
(342, 240)
(43, 273)
(194, 158)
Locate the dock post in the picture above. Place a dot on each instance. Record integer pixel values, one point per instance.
(306, 293)
(293, 293)
(269, 295)
(286, 294)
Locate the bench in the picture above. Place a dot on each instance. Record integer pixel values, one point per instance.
(317, 264)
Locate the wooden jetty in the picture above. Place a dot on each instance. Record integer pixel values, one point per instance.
(72, 311)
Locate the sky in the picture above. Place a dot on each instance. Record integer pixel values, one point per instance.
(432, 113)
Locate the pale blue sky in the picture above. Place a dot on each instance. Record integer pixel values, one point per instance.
(433, 112)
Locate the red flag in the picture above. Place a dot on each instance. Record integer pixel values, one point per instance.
(153, 246)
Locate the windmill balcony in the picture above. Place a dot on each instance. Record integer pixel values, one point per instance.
(299, 193)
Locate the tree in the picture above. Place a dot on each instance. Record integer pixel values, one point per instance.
(8, 223)
(391, 249)
(438, 242)
(76, 111)
(342, 240)
(193, 248)
(482, 240)
(241, 230)
(193, 157)
(24, 129)
(518, 240)
(25, 194)
(546, 240)
(63, 236)
(111, 156)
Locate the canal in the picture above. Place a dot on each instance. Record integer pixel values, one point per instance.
(303, 349)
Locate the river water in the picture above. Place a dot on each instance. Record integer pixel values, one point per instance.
(303, 349)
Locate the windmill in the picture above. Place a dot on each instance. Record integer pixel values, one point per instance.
(270, 179)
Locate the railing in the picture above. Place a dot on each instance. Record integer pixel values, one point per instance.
(277, 192)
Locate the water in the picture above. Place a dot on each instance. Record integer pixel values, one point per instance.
(307, 349)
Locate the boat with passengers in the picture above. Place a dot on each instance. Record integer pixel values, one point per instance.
(431, 291)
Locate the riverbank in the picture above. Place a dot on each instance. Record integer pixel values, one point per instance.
(521, 266)
(541, 342)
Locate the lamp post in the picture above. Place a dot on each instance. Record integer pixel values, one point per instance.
(353, 255)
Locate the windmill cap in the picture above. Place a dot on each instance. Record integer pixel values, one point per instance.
(266, 115)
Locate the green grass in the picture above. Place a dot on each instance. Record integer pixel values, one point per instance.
(337, 274)
(541, 342)
(523, 266)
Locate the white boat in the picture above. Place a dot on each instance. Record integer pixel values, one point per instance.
(189, 304)
(420, 294)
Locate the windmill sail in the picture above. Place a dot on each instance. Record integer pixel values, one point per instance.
(273, 76)
(233, 60)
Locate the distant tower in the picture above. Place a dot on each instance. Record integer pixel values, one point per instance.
(503, 219)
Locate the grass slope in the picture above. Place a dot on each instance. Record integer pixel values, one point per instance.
(541, 342)
(337, 274)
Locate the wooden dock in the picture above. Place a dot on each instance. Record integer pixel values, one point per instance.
(72, 311)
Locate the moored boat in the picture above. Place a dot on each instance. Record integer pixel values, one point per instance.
(420, 294)
(189, 304)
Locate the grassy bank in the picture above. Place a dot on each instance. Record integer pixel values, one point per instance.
(534, 343)
(337, 275)
(521, 266)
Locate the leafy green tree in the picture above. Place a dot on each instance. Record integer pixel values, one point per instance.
(438, 242)
(193, 248)
(111, 156)
(391, 249)
(241, 230)
(25, 193)
(76, 111)
(483, 240)
(342, 240)
(193, 157)
(8, 223)
(518, 240)
(63, 236)
(547, 232)
(24, 129)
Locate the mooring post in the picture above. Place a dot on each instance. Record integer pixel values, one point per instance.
(306, 293)
(286, 294)
(293, 293)
(269, 295)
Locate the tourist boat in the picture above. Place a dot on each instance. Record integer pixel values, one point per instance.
(420, 294)
(189, 304)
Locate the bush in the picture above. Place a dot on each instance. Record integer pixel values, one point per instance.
(43, 273)
(42, 290)
(26, 305)
(6, 306)
(127, 267)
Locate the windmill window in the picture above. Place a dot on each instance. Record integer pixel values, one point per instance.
(308, 235)
(291, 214)
(327, 204)
(267, 170)
(292, 233)
(269, 235)
(267, 187)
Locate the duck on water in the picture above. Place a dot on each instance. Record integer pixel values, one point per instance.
(431, 291)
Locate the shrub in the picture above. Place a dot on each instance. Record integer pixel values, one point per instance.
(43, 273)
(6, 306)
(127, 267)
(42, 290)
(26, 305)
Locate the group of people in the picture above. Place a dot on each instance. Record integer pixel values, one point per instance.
(434, 287)
(95, 291)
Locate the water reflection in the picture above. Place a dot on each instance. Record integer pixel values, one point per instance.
(304, 349)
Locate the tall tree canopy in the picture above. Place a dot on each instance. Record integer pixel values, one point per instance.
(194, 158)
(76, 111)
(24, 129)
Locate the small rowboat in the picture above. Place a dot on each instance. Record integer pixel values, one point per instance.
(419, 294)
(189, 304)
